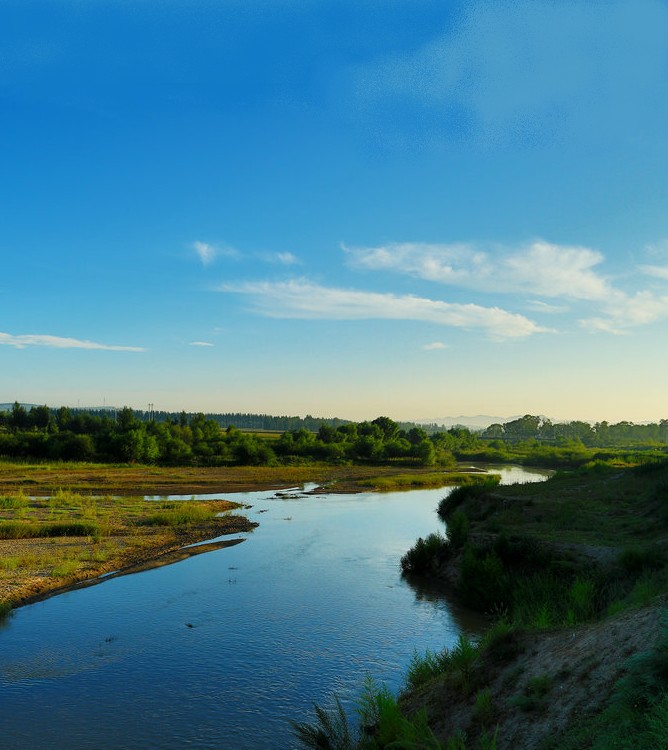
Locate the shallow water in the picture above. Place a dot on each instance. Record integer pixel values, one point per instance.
(223, 649)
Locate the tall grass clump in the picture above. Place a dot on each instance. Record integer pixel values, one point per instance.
(329, 731)
(13, 502)
(182, 514)
(457, 662)
(381, 725)
(64, 499)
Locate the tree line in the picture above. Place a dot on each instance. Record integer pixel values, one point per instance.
(195, 439)
(198, 439)
(598, 435)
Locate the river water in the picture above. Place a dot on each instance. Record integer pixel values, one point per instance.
(222, 650)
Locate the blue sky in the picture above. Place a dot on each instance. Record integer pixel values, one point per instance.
(409, 208)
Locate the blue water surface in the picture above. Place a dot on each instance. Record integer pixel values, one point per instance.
(222, 650)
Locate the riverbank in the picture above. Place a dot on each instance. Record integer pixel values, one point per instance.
(574, 572)
(131, 479)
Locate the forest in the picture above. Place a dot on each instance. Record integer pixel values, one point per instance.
(200, 440)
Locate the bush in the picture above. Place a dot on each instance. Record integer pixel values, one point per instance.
(483, 584)
(458, 529)
(421, 556)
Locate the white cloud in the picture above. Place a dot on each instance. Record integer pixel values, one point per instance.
(600, 325)
(201, 343)
(287, 259)
(207, 252)
(58, 342)
(544, 307)
(306, 300)
(659, 272)
(435, 345)
(628, 311)
(556, 271)
(540, 267)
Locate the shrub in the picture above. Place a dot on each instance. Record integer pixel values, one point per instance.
(483, 584)
(423, 668)
(458, 529)
(421, 555)
(635, 560)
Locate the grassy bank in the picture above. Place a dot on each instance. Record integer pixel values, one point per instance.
(48, 543)
(573, 574)
(37, 478)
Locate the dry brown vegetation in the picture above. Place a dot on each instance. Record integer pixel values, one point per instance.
(46, 479)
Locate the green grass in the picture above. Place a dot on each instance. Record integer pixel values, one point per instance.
(13, 502)
(637, 711)
(534, 697)
(613, 507)
(457, 663)
(416, 481)
(34, 530)
(180, 514)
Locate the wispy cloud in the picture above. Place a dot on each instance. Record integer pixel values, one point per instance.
(543, 307)
(207, 252)
(659, 272)
(539, 268)
(59, 342)
(287, 259)
(201, 343)
(434, 346)
(561, 272)
(539, 74)
(303, 299)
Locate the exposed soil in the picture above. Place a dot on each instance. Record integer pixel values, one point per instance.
(580, 666)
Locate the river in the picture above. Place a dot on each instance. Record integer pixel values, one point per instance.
(222, 650)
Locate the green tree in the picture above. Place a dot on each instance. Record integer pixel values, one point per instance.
(388, 427)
